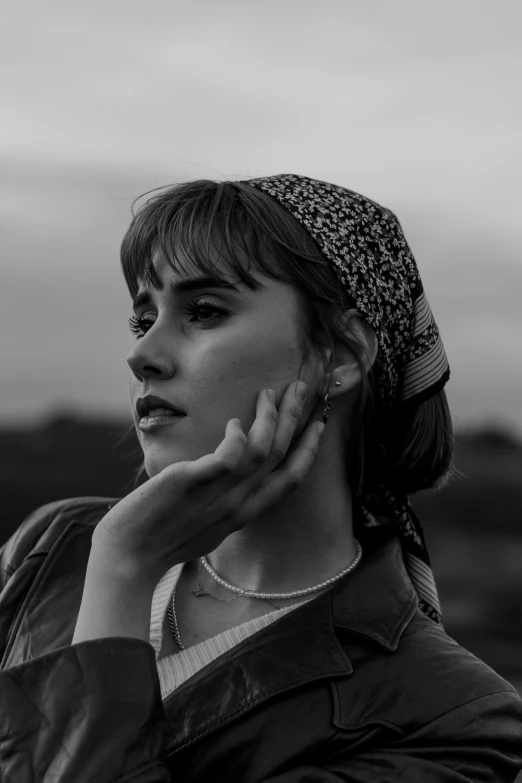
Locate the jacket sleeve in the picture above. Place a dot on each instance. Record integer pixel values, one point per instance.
(477, 741)
(86, 712)
(22, 540)
(28, 534)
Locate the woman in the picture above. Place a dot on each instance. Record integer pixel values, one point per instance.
(261, 608)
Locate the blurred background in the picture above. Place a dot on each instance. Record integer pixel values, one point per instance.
(415, 105)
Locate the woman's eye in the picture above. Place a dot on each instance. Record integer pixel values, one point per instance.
(197, 305)
(139, 325)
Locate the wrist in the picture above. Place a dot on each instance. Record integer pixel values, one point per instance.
(108, 559)
(116, 600)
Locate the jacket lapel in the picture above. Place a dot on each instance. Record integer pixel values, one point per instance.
(377, 601)
(297, 649)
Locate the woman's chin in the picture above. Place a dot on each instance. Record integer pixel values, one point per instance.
(159, 453)
(157, 457)
(155, 463)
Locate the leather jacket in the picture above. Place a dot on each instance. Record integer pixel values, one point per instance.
(356, 686)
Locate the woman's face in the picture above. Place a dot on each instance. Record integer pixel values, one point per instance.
(211, 365)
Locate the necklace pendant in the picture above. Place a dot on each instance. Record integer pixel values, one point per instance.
(199, 591)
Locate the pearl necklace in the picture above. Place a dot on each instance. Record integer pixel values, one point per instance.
(292, 593)
(171, 609)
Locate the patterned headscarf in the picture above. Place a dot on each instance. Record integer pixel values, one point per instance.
(370, 255)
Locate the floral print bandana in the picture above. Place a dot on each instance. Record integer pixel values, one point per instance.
(365, 244)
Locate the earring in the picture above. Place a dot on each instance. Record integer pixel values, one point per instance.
(328, 404)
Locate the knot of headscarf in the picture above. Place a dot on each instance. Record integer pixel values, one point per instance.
(366, 246)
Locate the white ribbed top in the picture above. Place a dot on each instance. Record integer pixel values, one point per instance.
(178, 667)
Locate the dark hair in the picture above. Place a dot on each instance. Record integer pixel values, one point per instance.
(409, 449)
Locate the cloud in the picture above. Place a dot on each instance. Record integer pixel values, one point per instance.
(107, 100)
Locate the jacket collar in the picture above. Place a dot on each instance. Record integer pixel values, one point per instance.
(376, 601)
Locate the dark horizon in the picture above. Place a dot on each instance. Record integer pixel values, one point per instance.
(473, 526)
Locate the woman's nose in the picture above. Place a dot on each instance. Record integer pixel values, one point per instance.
(149, 360)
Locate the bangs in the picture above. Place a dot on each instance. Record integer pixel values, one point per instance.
(205, 221)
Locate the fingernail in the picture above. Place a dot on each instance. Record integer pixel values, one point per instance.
(302, 390)
(271, 394)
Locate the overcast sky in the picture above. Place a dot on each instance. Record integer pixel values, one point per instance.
(414, 104)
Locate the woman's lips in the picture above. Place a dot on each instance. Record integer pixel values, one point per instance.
(154, 421)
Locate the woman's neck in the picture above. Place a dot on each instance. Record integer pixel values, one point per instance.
(305, 539)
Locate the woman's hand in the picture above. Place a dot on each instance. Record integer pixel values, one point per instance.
(187, 509)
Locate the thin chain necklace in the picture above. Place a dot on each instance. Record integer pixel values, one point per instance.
(199, 591)
(173, 620)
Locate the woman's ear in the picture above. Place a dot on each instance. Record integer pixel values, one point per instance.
(355, 323)
(367, 337)
(347, 369)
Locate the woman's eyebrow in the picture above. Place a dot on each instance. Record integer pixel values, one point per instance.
(191, 284)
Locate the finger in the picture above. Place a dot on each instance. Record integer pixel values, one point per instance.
(290, 478)
(222, 461)
(260, 437)
(290, 411)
